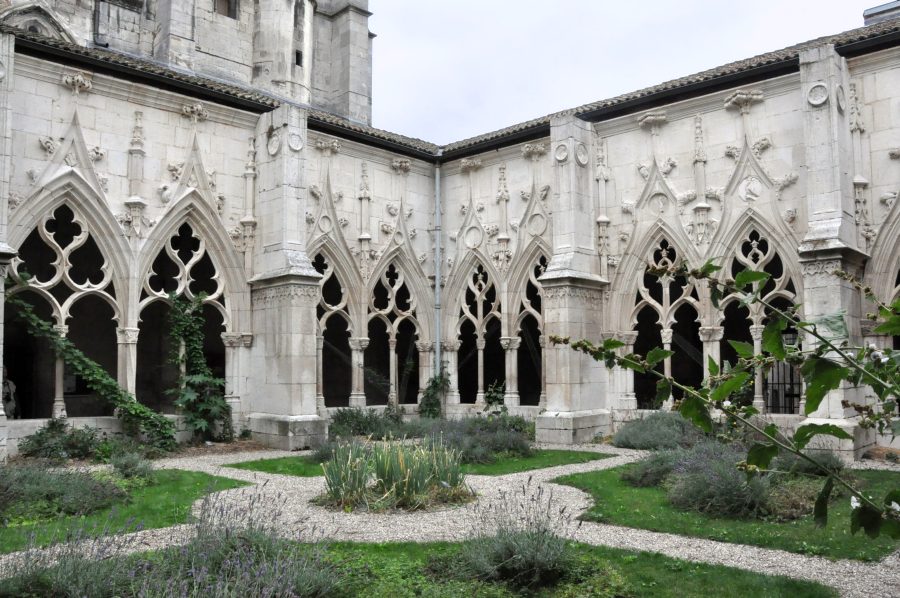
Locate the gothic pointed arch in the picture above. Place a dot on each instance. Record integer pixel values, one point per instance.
(71, 190)
(414, 278)
(881, 271)
(37, 17)
(536, 223)
(193, 211)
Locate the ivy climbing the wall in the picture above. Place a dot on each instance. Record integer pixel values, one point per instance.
(139, 420)
(199, 394)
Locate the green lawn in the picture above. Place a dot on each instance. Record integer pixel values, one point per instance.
(399, 570)
(166, 502)
(305, 466)
(648, 508)
(537, 460)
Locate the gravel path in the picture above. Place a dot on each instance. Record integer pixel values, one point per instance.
(286, 501)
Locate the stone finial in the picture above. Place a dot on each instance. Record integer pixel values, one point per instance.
(364, 192)
(502, 188)
(699, 151)
(742, 99)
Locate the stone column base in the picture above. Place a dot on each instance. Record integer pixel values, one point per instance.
(288, 432)
(572, 427)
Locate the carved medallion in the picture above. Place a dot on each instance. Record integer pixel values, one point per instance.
(325, 224)
(750, 189)
(537, 224)
(581, 154)
(473, 237)
(295, 142)
(274, 143)
(562, 152)
(817, 95)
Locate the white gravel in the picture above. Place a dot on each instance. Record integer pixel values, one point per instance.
(287, 499)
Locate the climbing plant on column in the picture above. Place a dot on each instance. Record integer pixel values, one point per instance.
(199, 394)
(825, 367)
(139, 420)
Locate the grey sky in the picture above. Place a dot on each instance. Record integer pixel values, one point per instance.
(447, 70)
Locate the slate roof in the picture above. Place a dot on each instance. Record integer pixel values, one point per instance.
(848, 41)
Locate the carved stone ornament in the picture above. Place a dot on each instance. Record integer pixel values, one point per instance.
(14, 200)
(195, 112)
(817, 95)
(534, 151)
(561, 153)
(49, 145)
(750, 189)
(77, 82)
(820, 268)
(295, 142)
(401, 165)
(2, 71)
(273, 141)
(328, 147)
(841, 98)
(469, 164)
(581, 154)
(742, 99)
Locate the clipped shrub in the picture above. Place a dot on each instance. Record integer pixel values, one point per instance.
(659, 430)
(484, 439)
(706, 479)
(651, 471)
(355, 421)
(793, 497)
(57, 441)
(132, 466)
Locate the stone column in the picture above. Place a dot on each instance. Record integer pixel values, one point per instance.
(479, 396)
(426, 365)
(573, 293)
(392, 359)
(711, 336)
(625, 386)
(233, 341)
(831, 241)
(542, 342)
(320, 391)
(284, 411)
(357, 358)
(7, 58)
(126, 344)
(451, 352)
(759, 399)
(59, 402)
(666, 336)
(510, 346)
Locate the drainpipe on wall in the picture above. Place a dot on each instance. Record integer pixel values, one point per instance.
(437, 265)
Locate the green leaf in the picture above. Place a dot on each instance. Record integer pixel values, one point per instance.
(663, 391)
(612, 343)
(761, 455)
(724, 390)
(631, 363)
(745, 277)
(772, 339)
(709, 268)
(807, 432)
(712, 365)
(771, 431)
(693, 408)
(820, 510)
(657, 355)
(890, 327)
(821, 375)
(866, 518)
(715, 295)
(743, 349)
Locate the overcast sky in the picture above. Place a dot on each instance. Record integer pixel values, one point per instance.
(445, 70)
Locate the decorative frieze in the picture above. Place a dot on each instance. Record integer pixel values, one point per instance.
(300, 295)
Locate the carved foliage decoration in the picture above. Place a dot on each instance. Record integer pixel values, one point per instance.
(71, 153)
(63, 264)
(189, 176)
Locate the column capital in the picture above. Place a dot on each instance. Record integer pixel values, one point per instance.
(510, 342)
(629, 337)
(127, 336)
(61, 329)
(392, 343)
(480, 344)
(232, 339)
(666, 334)
(711, 334)
(452, 346)
(424, 346)
(756, 331)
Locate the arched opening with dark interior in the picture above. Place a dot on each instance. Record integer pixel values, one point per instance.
(30, 362)
(687, 361)
(92, 330)
(155, 374)
(336, 362)
(529, 363)
(377, 364)
(467, 367)
(407, 364)
(648, 337)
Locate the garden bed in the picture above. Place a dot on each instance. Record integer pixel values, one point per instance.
(165, 501)
(308, 466)
(649, 508)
